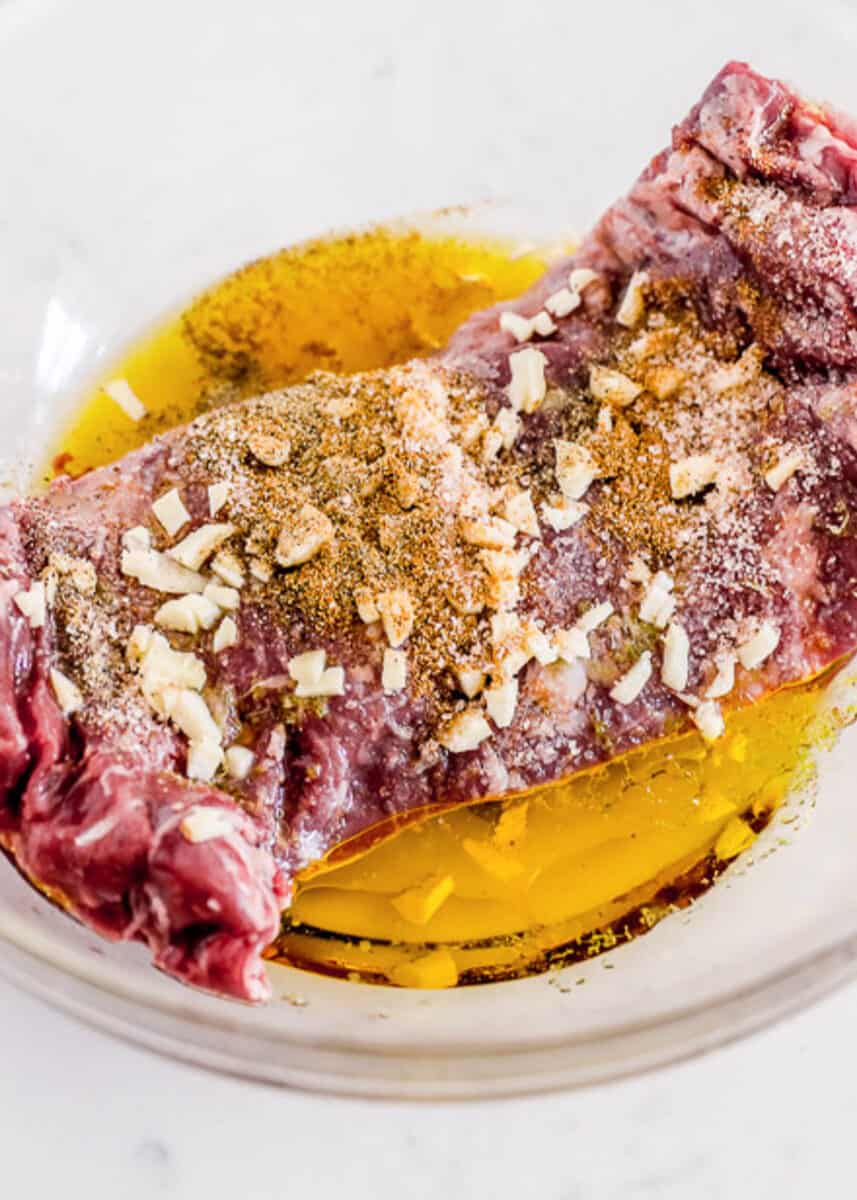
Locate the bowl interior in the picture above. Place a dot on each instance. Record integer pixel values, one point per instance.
(125, 194)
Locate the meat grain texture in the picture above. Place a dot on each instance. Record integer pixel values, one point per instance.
(740, 343)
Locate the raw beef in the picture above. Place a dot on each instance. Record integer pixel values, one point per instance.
(510, 577)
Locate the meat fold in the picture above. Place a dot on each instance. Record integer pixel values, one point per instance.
(618, 506)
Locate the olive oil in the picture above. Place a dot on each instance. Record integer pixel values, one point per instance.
(559, 873)
(495, 889)
(339, 304)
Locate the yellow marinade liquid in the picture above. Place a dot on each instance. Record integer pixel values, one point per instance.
(494, 889)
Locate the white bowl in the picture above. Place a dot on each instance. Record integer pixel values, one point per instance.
(149, 151)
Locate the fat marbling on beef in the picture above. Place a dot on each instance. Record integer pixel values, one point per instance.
(612, 508)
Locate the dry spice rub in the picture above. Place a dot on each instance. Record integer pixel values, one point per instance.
(383, 499)
(602, 514)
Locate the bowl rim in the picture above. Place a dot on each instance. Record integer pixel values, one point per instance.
(424, 1073)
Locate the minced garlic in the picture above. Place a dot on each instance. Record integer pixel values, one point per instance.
(563, 302)
(628, 687)
(170, 511)
(612, 387)
(527, 387)
(576, 469)
(303, 537)
(68, 695)
(633, 306)
(674, 669)
(195, 550)
(397, 614)
(395, 670)
(466, 731)
(225, 636)
(32, 603)
(759, 646)
(691, 475)
(501, 700)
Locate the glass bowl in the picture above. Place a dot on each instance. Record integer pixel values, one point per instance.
(149, 151)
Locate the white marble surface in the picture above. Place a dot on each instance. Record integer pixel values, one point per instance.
(768, 1119)
(390, 107)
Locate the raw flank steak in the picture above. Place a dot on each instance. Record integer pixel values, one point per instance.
(617, 507)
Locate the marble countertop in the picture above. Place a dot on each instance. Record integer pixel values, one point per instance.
(416, 105)
(772, 1117)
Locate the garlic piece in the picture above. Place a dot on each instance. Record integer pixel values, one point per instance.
(137, 538)
(520, 512)
(760, 646)
(471, 681)
(121, 393)
(313, 678)
(225, 635)
(397, 614)
(580, 278)
(465, 732)
(674, 668)
(527, 387)
(394, 672)
(738, 374)
(563, 302)
(491, 533)
(203, 762)
(226, 598)
(691, 475)
(138, 642)
(708, 719)
(492, 444)
(638, 571)
(202, 823)
(68, 695)
(789, 464)
(194, 550)
(724, 681)
(367, 609)
(260, 570)
(539, 646)
(226, 566)
(218, 494)
(32, 603)
(331, 683)
(575, 468)
(612, 387)
(302, 539)
(268, 449)
(188, 614)
(155, 570)
(189, 712)
(171, 512)
(594, 617)
(501, 700)
(664, 382)
(307, 668)
(628, 687)
(503, 568)
(564, 514)
(521, 328)
(658, 604)
(571, 644)
(162, 669)
(543, 325)
(239, 761)
(633, 307)
(507, 424)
